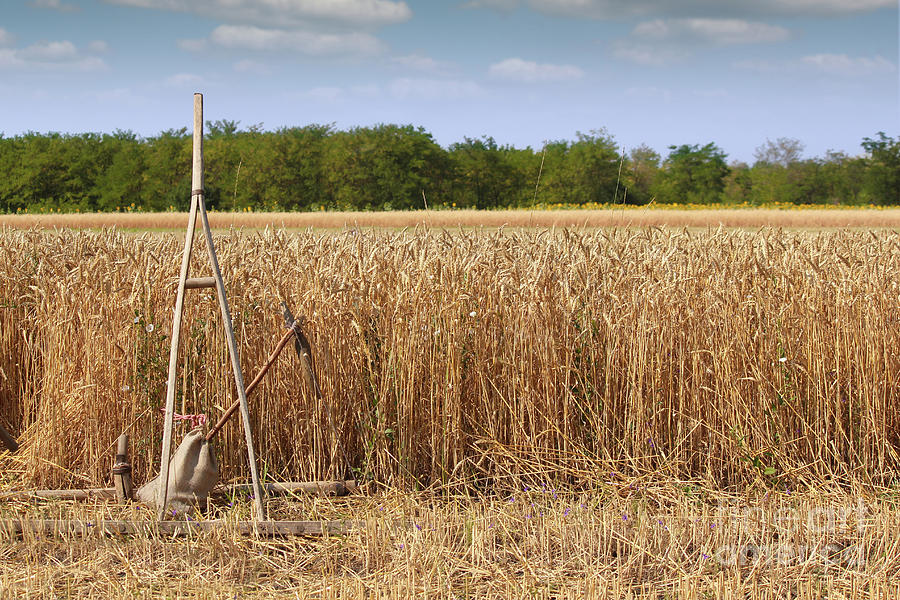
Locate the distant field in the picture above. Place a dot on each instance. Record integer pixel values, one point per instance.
(631, 217)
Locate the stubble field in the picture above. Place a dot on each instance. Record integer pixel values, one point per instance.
(535, 412)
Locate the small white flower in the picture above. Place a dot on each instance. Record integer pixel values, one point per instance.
(137, 320)
(437, 332)
(149, 328)
(472, 314)
(783, 359)
(126, 388)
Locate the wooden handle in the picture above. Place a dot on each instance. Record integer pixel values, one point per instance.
(262, 372)
(121, 471)
(199, 283)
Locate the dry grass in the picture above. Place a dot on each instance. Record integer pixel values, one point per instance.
(632, 217)
(536, 543)
(632, 379)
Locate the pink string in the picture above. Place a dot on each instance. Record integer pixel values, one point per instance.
(198, 420)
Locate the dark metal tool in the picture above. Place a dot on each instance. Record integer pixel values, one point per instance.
(8, 440)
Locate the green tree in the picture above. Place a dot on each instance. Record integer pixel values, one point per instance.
(167, 176)
(121, 180)
(640, 176)
(385, 167)
(738, 184)
(222, 162)
(484, 175)
(11, 195)
(841, 178)
(580, 172)
(692, 174)
(595, 166)
(783, 152)
(289, 168)
(780, 174)
(882, 180)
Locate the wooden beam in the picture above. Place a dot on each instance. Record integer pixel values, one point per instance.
(62, 527)
(323, 488)
(196, 283)
(90, 494)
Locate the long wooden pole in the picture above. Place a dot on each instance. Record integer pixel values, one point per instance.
(197, 185)
(196, 194)
(258, 505)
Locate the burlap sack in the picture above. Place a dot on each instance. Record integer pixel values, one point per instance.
(193, 471)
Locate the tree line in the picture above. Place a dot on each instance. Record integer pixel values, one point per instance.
(384, 167)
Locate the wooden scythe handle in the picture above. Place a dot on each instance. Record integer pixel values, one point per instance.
(284, 341)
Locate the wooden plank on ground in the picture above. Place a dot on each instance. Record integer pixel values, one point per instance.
(62, 527)
(323, 488)
(80, 495)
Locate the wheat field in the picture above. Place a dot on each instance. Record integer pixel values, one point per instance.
(723, 356)
(610, 216)
(653, 369)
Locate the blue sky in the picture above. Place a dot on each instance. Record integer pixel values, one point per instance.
(655, 72)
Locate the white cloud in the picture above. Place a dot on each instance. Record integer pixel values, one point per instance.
(615, 9)
(307, 27)
(245, 37)
(649, 55)
(666, 41)
(324, 94)
(252, 67)
(715, 31)
(6, 38)
(286, 13)
(425, 64)
(503, 5)
(649, 93)
(50, 52)
(841, 64)
(98, 47)
(434, 89)
(329, 94)
(182, 80)
(58, 55)
(525, 71)
(829, 64)
(193, 45)
(54, 4)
